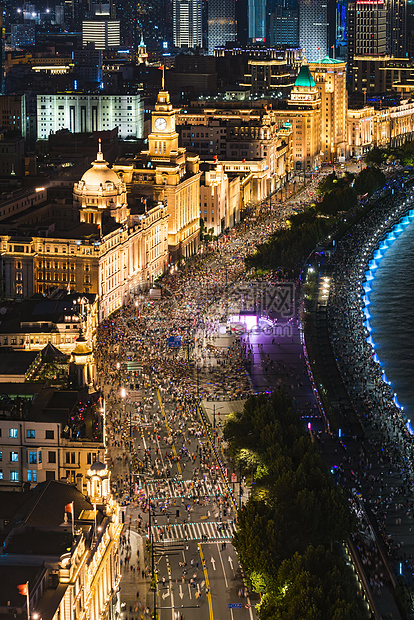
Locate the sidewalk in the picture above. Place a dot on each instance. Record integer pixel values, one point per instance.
(134, 588)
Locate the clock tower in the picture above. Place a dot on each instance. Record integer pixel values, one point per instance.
(163, 139)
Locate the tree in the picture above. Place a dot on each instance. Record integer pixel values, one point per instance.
(340, 199)
(376, 156)
(369, 180)
(317, 584)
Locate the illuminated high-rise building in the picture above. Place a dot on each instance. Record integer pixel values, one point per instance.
(187, 23)
(153, 21)
(313, 28)
(257, 20)
(105, 33)
(283, 28)
(330, 80)
(221, 23)
(397, 27)
(367, 30)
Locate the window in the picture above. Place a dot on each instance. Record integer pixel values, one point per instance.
(1, 474)
(32, 457)
(31, 475)
(14, 475)
(91, 458)
(50, 435)
(1, 456)
(14, 457)
(70, 457)
(13, 433)
(30, 434)
(40, 456)
(52, 457)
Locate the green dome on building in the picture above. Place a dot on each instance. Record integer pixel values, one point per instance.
(305, 79)
(330, 61)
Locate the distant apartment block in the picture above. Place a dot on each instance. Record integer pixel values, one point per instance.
(88, 113)
(106, 34)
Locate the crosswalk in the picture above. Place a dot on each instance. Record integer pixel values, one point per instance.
(173, 490)
(206, 530)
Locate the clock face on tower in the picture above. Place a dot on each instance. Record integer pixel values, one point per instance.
(160, 124)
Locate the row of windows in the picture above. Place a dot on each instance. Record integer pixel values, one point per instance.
(30, 433)
(49, 265)
(34, 457)
(56, 278)
(14, 475)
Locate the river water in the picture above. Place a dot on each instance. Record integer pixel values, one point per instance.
(392, 317)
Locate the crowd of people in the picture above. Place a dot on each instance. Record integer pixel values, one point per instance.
(383, 472)
(194, 308)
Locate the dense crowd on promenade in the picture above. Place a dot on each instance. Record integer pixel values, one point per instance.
(384, 471)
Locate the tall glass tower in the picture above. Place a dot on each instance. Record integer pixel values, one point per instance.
(221, 22)
(313, 28)
(257, 20)
(187, 26)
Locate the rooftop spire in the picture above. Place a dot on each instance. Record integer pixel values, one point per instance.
(99, 156)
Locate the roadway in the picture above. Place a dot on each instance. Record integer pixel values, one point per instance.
(192, 514)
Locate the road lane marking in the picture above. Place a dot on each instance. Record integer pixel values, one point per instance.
(169, 430)
(208, 589)
(222, 566)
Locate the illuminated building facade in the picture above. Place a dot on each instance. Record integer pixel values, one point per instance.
(219, 199)
(221, 23)
(105, 33)
(168, 174)
(257, 20)
(248, 142)
(66, 547)
(330, 80)
(89, 113)
(304, 116)
(41, 436)
(381, 74)
(368, 127)
(313, 28)
(367, 30)
(97, 246)
(187, 23)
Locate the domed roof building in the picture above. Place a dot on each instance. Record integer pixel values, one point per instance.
(100, 188)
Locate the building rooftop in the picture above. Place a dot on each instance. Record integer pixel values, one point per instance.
(15, 363)
(305, 79)
(39, 314)
(45, 505)
(10, 578)
(331, 61)
(37, 541)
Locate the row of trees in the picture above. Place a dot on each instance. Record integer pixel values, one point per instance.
(287, 528)
(288, 248)
(403, 154)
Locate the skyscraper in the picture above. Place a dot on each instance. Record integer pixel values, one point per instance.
(187, 26)
(397, 27)
(283, 28)
(257, 20)
(367, 30)
(221, 23)
(104, 33)
(313, 28)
